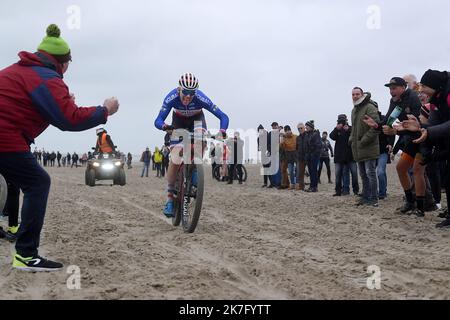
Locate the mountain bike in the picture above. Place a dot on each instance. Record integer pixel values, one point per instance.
(188, 195)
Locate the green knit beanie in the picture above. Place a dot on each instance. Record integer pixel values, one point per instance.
(55, 45)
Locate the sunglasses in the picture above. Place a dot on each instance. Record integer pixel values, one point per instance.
(190, 93)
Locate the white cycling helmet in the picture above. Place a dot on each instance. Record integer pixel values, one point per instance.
(188, 82)
(100, 130)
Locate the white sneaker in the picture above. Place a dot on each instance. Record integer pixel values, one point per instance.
(439, 206)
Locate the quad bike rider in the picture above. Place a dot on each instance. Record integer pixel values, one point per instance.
(104, 143)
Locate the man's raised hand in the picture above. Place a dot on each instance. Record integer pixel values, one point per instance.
(112, 105)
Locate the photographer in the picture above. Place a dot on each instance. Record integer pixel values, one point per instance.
(343, 158)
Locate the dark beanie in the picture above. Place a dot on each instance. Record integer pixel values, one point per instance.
(310, 124)
(260, 127)
(434, 79)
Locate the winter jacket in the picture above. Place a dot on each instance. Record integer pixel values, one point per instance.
(342, 149)
(158, 156)
(439, 122)
(364, 140)
(301, 147)
(438, 127)
(410, 104)
(313, 143)
(146, 157)
(33, 96)
(289, 147)
(326, 146)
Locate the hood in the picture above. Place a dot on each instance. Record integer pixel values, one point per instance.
(363, 100)
(43, 60)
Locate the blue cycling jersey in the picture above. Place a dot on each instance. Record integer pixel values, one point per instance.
(199, 102)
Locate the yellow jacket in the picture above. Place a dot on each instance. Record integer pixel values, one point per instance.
(158, 156)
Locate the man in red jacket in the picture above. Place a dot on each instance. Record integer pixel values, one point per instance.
(33, 96)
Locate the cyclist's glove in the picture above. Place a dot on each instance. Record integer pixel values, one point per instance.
(168, 128)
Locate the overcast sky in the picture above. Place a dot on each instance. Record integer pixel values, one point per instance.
(260, 61)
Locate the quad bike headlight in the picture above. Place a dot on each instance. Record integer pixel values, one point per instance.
(96, 164)
(108, 166)
(118, 163)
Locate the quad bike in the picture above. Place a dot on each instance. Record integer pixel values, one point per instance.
(105, 166)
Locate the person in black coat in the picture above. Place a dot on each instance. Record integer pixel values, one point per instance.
(343, 158)
(313, 150)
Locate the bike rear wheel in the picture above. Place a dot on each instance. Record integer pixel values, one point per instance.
(244, 174)
(192, 199)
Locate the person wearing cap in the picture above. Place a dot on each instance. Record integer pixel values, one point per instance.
(365, 144)
(343, 158)
(411, 158)
(313, 149)
(34, 96)
(410, 105)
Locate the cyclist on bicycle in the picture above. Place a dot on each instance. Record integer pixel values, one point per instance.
(187, 103)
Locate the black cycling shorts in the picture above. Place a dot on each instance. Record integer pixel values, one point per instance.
(179, 122)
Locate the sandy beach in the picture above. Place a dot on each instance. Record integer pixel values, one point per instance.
(251, 243)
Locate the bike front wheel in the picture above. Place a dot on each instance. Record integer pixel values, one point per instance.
(193, 198)
(178, 197)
